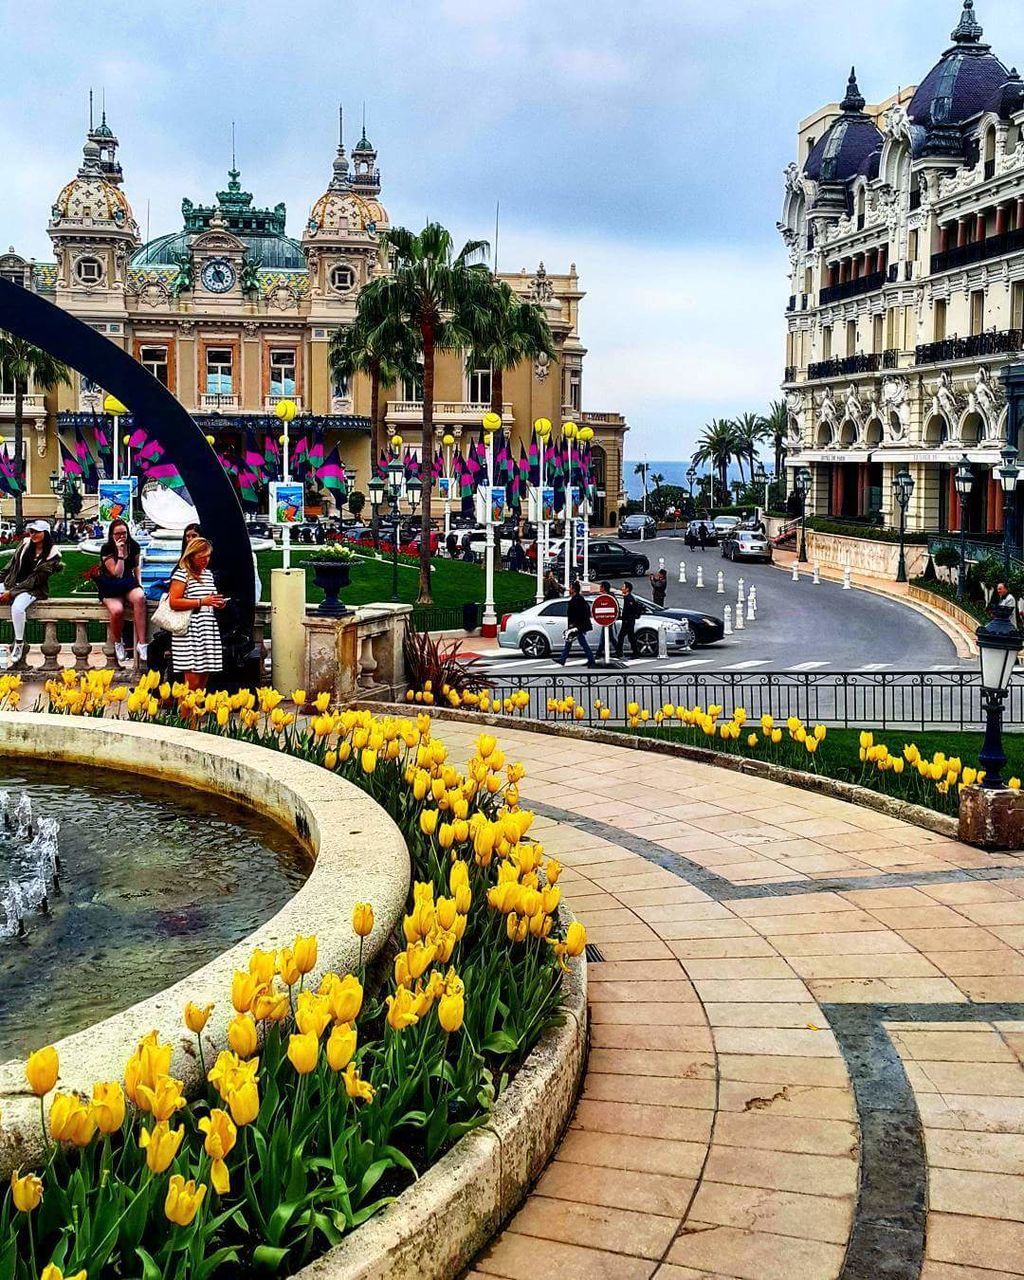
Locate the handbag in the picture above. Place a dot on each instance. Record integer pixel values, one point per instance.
(174, 621)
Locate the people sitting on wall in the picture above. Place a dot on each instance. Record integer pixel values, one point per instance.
(27, 579)
(120, 588)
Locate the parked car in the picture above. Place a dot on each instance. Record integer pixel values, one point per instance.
(637, 526)
(606, 559)
(746, 544)
(540, 630)
(725, 524)
(706, 628)
(411, 547)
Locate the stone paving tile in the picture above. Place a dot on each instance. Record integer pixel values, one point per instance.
(515, 1257)
(613, 1229)
(755, 1255)
(984, 1242)
(654, 1193)
(950, 1271)
(986, 1152)
(784, 1213)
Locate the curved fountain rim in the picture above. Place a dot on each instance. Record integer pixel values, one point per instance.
(359, 855)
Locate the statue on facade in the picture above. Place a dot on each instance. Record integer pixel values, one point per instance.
(183, 280)
(249, 276)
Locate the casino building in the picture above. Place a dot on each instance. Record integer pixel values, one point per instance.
(904, 222)
(233, 314)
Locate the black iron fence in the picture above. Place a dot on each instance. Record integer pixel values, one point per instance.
(903, 700)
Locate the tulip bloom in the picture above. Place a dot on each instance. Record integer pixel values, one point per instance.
(183, 1200)
(244, 1103)
(242, 1035)
(263, 966)
(341, 1045)
(161, 1145)
(287, 967)
(575, 939)
(451, 1010)
(356, 1088)
(71, 1120)
(345, 997)
(41, 1070)
(401, 1013)
(362, 919)
(303, 1051)
(304, 952)
(52, 1272)
(163, 1099)
(312, 1014)
(271, 1006)
(244, 989)
(108, 1106)
(27, 1191)
(196, 1017)
(221, 1135)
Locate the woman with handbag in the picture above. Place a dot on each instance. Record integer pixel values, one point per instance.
(120, 587)
(196, 649)
(27, 579)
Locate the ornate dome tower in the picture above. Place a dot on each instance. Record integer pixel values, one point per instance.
(93, 229)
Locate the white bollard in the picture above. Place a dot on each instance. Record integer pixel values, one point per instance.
(816, 577)
(796, 571)
(740, 588)
(847, 584)
(661, 562)
(721, 584)
(727, 619)
(682, 571)
(739, 617)
(752, 605)
(700, 576)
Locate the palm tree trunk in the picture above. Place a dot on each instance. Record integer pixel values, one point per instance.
(497, 390)
(19, 449)
(375, 423)
(427, 457)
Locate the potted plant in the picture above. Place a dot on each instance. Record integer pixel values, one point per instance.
(330, 564)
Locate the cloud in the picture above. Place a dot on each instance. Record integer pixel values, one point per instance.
(582, 66)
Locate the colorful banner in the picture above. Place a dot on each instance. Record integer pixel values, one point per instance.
(115, 500)
(286, 502)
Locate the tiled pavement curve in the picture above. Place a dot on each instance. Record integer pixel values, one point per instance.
(807, 1034)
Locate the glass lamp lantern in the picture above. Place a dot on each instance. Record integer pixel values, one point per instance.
(999, 644)
(1009, 472)
(376, 488)
(803, 482)
(963, 478)
(414, 490)
(396, 473)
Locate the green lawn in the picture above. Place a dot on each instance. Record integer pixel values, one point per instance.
(455, 582)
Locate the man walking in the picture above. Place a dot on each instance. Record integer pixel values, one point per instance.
(659, 587)
(579, 625)
(632, 608)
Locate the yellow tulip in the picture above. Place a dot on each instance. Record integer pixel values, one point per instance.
(162, 1099)
(400, 1009)
(183, 1200)
(368, 760)
(819, 732)
(1014, 784)
(575, 939)
(221, 1134)
(776, 736)
(299, 697)
(346, 999)
(451, 1010)
(244, 1103)
(150, 1060)
(287, 967)
(356, 1088)
(196, 1017)
(41, 1070)
(242, 1035)
(420, 956)
(161, 1145)
(108, 1106)
(271, 1006)
(331, 760)
(428, 821)
(303, 1051)
(752, 739)
(312, 1014)
(262, 966)
(341, 1045)
(26, 1192)
(52, 1272)
(305, 951)
(244, 987)
(71, 1120)
(362, 919)
(322, 701)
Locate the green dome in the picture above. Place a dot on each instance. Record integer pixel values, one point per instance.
(275, 251)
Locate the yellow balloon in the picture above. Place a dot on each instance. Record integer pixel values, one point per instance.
(126, 439)
(209, 439)
(569, 429)
(281, 439)
(111, 404)
(397, 442)
(491, 421)
(586, 434)
(286, 410)
(448, 441)
(542, 426)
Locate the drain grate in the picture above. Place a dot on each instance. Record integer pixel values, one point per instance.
(594, 956)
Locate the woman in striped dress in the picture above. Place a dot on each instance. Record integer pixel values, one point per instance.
(198, 653)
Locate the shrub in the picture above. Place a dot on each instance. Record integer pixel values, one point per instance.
(432, 665)
(947, 557)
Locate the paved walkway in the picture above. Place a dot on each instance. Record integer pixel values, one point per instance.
(807, 1035)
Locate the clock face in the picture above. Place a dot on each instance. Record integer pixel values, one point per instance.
(218, 275)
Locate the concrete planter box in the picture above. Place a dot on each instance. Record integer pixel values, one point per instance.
(864, 555)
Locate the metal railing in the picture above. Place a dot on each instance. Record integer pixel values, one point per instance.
(838, 366)
(993, 343)
(851, 288)
(980, 251)
(975, 549)
(886, 700)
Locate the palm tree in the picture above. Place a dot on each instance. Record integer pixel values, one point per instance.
(717, 446)
(751, 429)
(512, 330)
(777, 425)
(641, 469)
(442, 296)
(383, 350)
(25, 365)
(657, 480)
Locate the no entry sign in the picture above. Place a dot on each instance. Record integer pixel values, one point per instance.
(604, 610)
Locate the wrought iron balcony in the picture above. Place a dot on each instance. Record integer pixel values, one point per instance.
(790, 373)
(979, 251)
(1002, 342)
(837, 368)
(851, 288)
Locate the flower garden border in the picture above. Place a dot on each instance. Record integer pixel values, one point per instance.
(358, 851)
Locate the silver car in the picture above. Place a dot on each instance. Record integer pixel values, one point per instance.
(539, 631)
(747, 544)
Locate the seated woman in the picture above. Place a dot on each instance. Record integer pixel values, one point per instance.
(27, 579)
(120, 587)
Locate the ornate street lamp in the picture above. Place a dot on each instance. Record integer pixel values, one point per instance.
(963, 480)
(691, 477)
(902, 488)
(1009, 474)
(803, 487)
(762, 477)
(999, 644)
(396, 476)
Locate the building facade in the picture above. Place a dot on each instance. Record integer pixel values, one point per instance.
(233, 314)
(904, 223)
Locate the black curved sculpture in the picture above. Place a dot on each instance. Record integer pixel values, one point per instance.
(28, 316)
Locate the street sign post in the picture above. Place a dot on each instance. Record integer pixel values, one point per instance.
(605, 613)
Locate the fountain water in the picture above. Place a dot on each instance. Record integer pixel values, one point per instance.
(37, 859)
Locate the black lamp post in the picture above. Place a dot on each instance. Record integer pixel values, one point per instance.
(691, 478)
(396, 474)
(1009, 474)
(963, 479)
(376, 488)
(902, 488)
(999, 644)
(803, 488)
(761, 477)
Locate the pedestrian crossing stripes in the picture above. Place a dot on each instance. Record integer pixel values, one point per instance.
(514, 663)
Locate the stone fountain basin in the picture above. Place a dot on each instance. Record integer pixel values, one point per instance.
(358, 854)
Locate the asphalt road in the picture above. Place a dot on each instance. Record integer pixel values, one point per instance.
(799, 626)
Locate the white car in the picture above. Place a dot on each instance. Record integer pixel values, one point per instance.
(724, 525)
(540, 630)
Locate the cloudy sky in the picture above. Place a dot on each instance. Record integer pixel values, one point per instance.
(643, 141)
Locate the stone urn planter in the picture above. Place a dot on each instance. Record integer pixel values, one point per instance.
(331, 575)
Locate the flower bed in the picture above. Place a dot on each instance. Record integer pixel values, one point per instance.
(328, 1102)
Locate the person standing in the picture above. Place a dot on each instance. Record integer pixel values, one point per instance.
(120, 587)
(552, 587)
(659, 587)
(580, 624)
(703, 534)
(452, 544)
(27, 579)
(1005, 597)
(198, 653)
(632, 609)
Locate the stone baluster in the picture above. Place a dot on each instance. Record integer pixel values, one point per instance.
(82, 646)
(50, 646)
(367, 663)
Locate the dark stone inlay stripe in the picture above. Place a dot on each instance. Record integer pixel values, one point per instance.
(888, 1235)
(723, 890)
